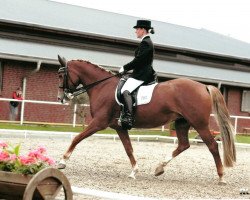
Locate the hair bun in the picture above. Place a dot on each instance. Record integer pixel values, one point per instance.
(152, 31)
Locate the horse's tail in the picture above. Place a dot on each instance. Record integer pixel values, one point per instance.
(223, 119)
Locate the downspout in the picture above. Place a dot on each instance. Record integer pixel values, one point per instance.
(38, 66)
(219, 85)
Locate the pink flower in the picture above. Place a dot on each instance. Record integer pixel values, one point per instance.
(42, 149)
(46, 159)
(12, 157)
(27, 160)
(3, 144)
(29, 164)
(4, 156)
(34, 154)
(51, 161)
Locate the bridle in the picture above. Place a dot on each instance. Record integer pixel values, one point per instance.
(67, 91)
(71, 93)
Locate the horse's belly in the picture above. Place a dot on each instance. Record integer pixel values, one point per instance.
(152, 120)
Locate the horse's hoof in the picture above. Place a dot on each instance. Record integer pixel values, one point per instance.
(132, 176)
(159, 170)
(222, 183)
(133, 173)
(61, 166)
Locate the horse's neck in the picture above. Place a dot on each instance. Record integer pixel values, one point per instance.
(90, 73)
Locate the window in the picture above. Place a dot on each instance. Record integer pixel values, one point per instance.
(224, 92)
(245, 105)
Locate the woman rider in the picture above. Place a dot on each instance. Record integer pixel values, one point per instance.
(141, 65)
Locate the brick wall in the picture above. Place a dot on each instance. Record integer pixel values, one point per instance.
(42, 86)
(234, 99)
(234, 106)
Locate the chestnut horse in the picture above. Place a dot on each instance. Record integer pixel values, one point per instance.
(184, 101)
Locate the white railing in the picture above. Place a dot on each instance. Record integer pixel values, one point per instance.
(39, 102)
(236, 121)
(231, 116)
(75, 108)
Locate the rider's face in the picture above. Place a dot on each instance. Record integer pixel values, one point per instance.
(140, 32)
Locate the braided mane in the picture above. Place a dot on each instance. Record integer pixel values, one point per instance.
(97, 66)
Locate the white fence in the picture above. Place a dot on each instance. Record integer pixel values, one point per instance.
(236, 118)
(39, 102)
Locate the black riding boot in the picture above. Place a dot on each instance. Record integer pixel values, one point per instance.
(127, 120)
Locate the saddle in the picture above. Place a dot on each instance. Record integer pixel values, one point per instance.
(141, 95)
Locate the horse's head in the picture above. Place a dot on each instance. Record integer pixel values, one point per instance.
(68, 81)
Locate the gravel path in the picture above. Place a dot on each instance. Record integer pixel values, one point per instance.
(102, 164)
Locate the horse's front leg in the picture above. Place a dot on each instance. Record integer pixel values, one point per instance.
(93, 127)
(123, 134)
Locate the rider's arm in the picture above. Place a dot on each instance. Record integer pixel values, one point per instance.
(143, 51)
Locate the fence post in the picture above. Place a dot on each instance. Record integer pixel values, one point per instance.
(235, 125)
(23, 102)
(74, 117)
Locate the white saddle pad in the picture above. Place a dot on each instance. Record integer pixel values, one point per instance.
(144, 94)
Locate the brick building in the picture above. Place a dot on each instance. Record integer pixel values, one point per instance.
(37, 31)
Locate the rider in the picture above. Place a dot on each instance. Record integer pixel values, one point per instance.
(143, 71)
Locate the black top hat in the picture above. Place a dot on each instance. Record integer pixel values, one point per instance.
(143, 24)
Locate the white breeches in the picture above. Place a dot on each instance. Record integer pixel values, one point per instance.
(131, 84)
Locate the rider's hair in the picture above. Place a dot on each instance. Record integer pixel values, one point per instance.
(152, 31)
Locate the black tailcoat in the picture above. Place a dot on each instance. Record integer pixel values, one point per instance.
(142, 63)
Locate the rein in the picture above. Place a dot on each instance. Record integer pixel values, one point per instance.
(82, 89)
(91, 85)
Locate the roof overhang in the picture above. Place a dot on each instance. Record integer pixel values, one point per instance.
(47, 54)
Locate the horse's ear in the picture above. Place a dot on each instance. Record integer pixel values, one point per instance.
(62, 61)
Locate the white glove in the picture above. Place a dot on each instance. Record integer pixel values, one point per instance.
(70, 96)
(121, 70)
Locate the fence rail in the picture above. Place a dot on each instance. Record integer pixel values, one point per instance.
(236, 118)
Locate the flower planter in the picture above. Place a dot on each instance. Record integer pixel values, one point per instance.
(46, 184)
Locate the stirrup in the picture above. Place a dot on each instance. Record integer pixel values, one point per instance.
(126, 121)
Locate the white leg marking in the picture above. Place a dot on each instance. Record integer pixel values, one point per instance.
(167, 160)
(61, 164)
(222, 181)
(135, 170)
(160, 168)
(62, 161)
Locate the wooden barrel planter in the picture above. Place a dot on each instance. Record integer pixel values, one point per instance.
(46, 184)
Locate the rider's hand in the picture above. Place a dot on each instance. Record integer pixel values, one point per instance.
(121, 70)
(70, 96)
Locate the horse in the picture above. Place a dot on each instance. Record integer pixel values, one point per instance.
(187, 102)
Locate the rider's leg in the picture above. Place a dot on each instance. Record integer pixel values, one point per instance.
(128, 108)
(130, 85)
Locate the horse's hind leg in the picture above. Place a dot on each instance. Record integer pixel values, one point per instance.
(123, 134)
(182, 127)
(213, 148)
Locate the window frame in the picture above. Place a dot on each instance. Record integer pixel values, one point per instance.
(245, 102)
